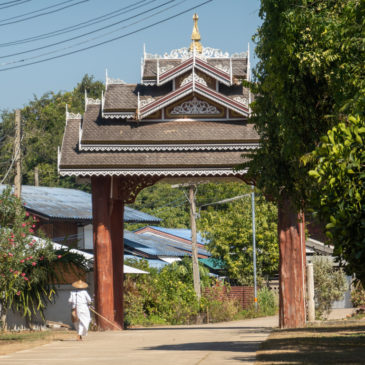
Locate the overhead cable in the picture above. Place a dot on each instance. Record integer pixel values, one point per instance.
(112, 39)
(94, 38)
(45, 13)
(87, 23)
(87, 33)
(17, 2)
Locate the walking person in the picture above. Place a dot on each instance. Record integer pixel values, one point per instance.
(80, 300)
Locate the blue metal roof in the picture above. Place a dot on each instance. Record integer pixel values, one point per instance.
(150, 246)
(156, 263)
(182, 233)
(174, 243)
(64, 204)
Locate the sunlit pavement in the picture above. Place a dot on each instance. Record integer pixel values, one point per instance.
(223, 343)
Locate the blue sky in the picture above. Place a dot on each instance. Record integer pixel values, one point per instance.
(224, 24)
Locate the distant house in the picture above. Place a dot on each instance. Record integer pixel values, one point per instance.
(158, 250)
(65, 215)
(182, 235)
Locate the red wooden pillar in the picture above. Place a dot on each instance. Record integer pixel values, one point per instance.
(103, 251)
(292, 267)
(117, 225)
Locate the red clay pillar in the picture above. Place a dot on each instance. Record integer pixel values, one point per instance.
(103, 252)
(117, 226)
(291, 267)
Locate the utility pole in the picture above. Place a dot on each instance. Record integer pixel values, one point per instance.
(17, 155)
(196, 276)
(254, 243)
(310, 293)
(36, 176)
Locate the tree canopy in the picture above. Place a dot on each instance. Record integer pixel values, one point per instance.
(43, 121)
(309, 79)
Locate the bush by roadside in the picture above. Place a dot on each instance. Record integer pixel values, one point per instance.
(167, 297)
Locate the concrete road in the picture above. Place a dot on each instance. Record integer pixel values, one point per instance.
(214, 344)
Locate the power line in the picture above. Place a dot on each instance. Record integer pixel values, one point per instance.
(84, 24)
(19, 2)
(110, 40)
(45, 13)
(87, 33)
(94, 38)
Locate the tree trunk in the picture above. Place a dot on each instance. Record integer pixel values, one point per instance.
(291, 266)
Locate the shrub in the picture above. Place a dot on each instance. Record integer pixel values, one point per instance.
(358, 295)
(266, 302)
(216, 304)
(329, 285)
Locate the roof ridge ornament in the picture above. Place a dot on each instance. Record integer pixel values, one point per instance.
(195, 36)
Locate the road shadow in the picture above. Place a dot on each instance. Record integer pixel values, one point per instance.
(227, 346)
(171, 328)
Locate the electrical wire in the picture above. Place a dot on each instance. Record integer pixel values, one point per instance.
(88, 33)
(19, 2)
(46, 13)
(112, 39)
(84, 24)
(92, 39)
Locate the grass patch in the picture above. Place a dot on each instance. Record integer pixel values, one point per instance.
(17, 341)
(323, 343)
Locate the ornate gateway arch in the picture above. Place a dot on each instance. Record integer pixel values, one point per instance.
(185, 120)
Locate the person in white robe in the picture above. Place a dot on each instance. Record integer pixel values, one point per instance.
(80, 300)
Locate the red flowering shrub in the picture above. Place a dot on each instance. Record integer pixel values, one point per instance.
(25, 261)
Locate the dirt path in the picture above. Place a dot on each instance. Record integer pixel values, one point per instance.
(214, 344)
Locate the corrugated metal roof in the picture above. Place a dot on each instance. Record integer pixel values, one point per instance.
(174, 243)
(69, 204)
(182, 233)
(150, 246)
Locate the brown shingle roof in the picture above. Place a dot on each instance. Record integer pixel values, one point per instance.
(98, 130)
(71, 157)
(123, 97)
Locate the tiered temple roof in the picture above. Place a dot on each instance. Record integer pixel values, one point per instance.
(187, 117)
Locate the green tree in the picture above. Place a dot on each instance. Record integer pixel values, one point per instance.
(340, 199)
(229, 233)
(310, 72)
(43, 121)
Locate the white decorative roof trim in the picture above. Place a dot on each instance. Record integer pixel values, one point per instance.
(174, 148)
(111, 81)
(73, 115)
(207, 52)
(147, 101)
(165, 68)
(155, 172)
(170, 101)
(241, 100)
(196, 78)
(90, 101)
(149, 82)
(195, 106)
(116, 115)
(224, 68)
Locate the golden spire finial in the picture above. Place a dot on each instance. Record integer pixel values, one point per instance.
(195, 36)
